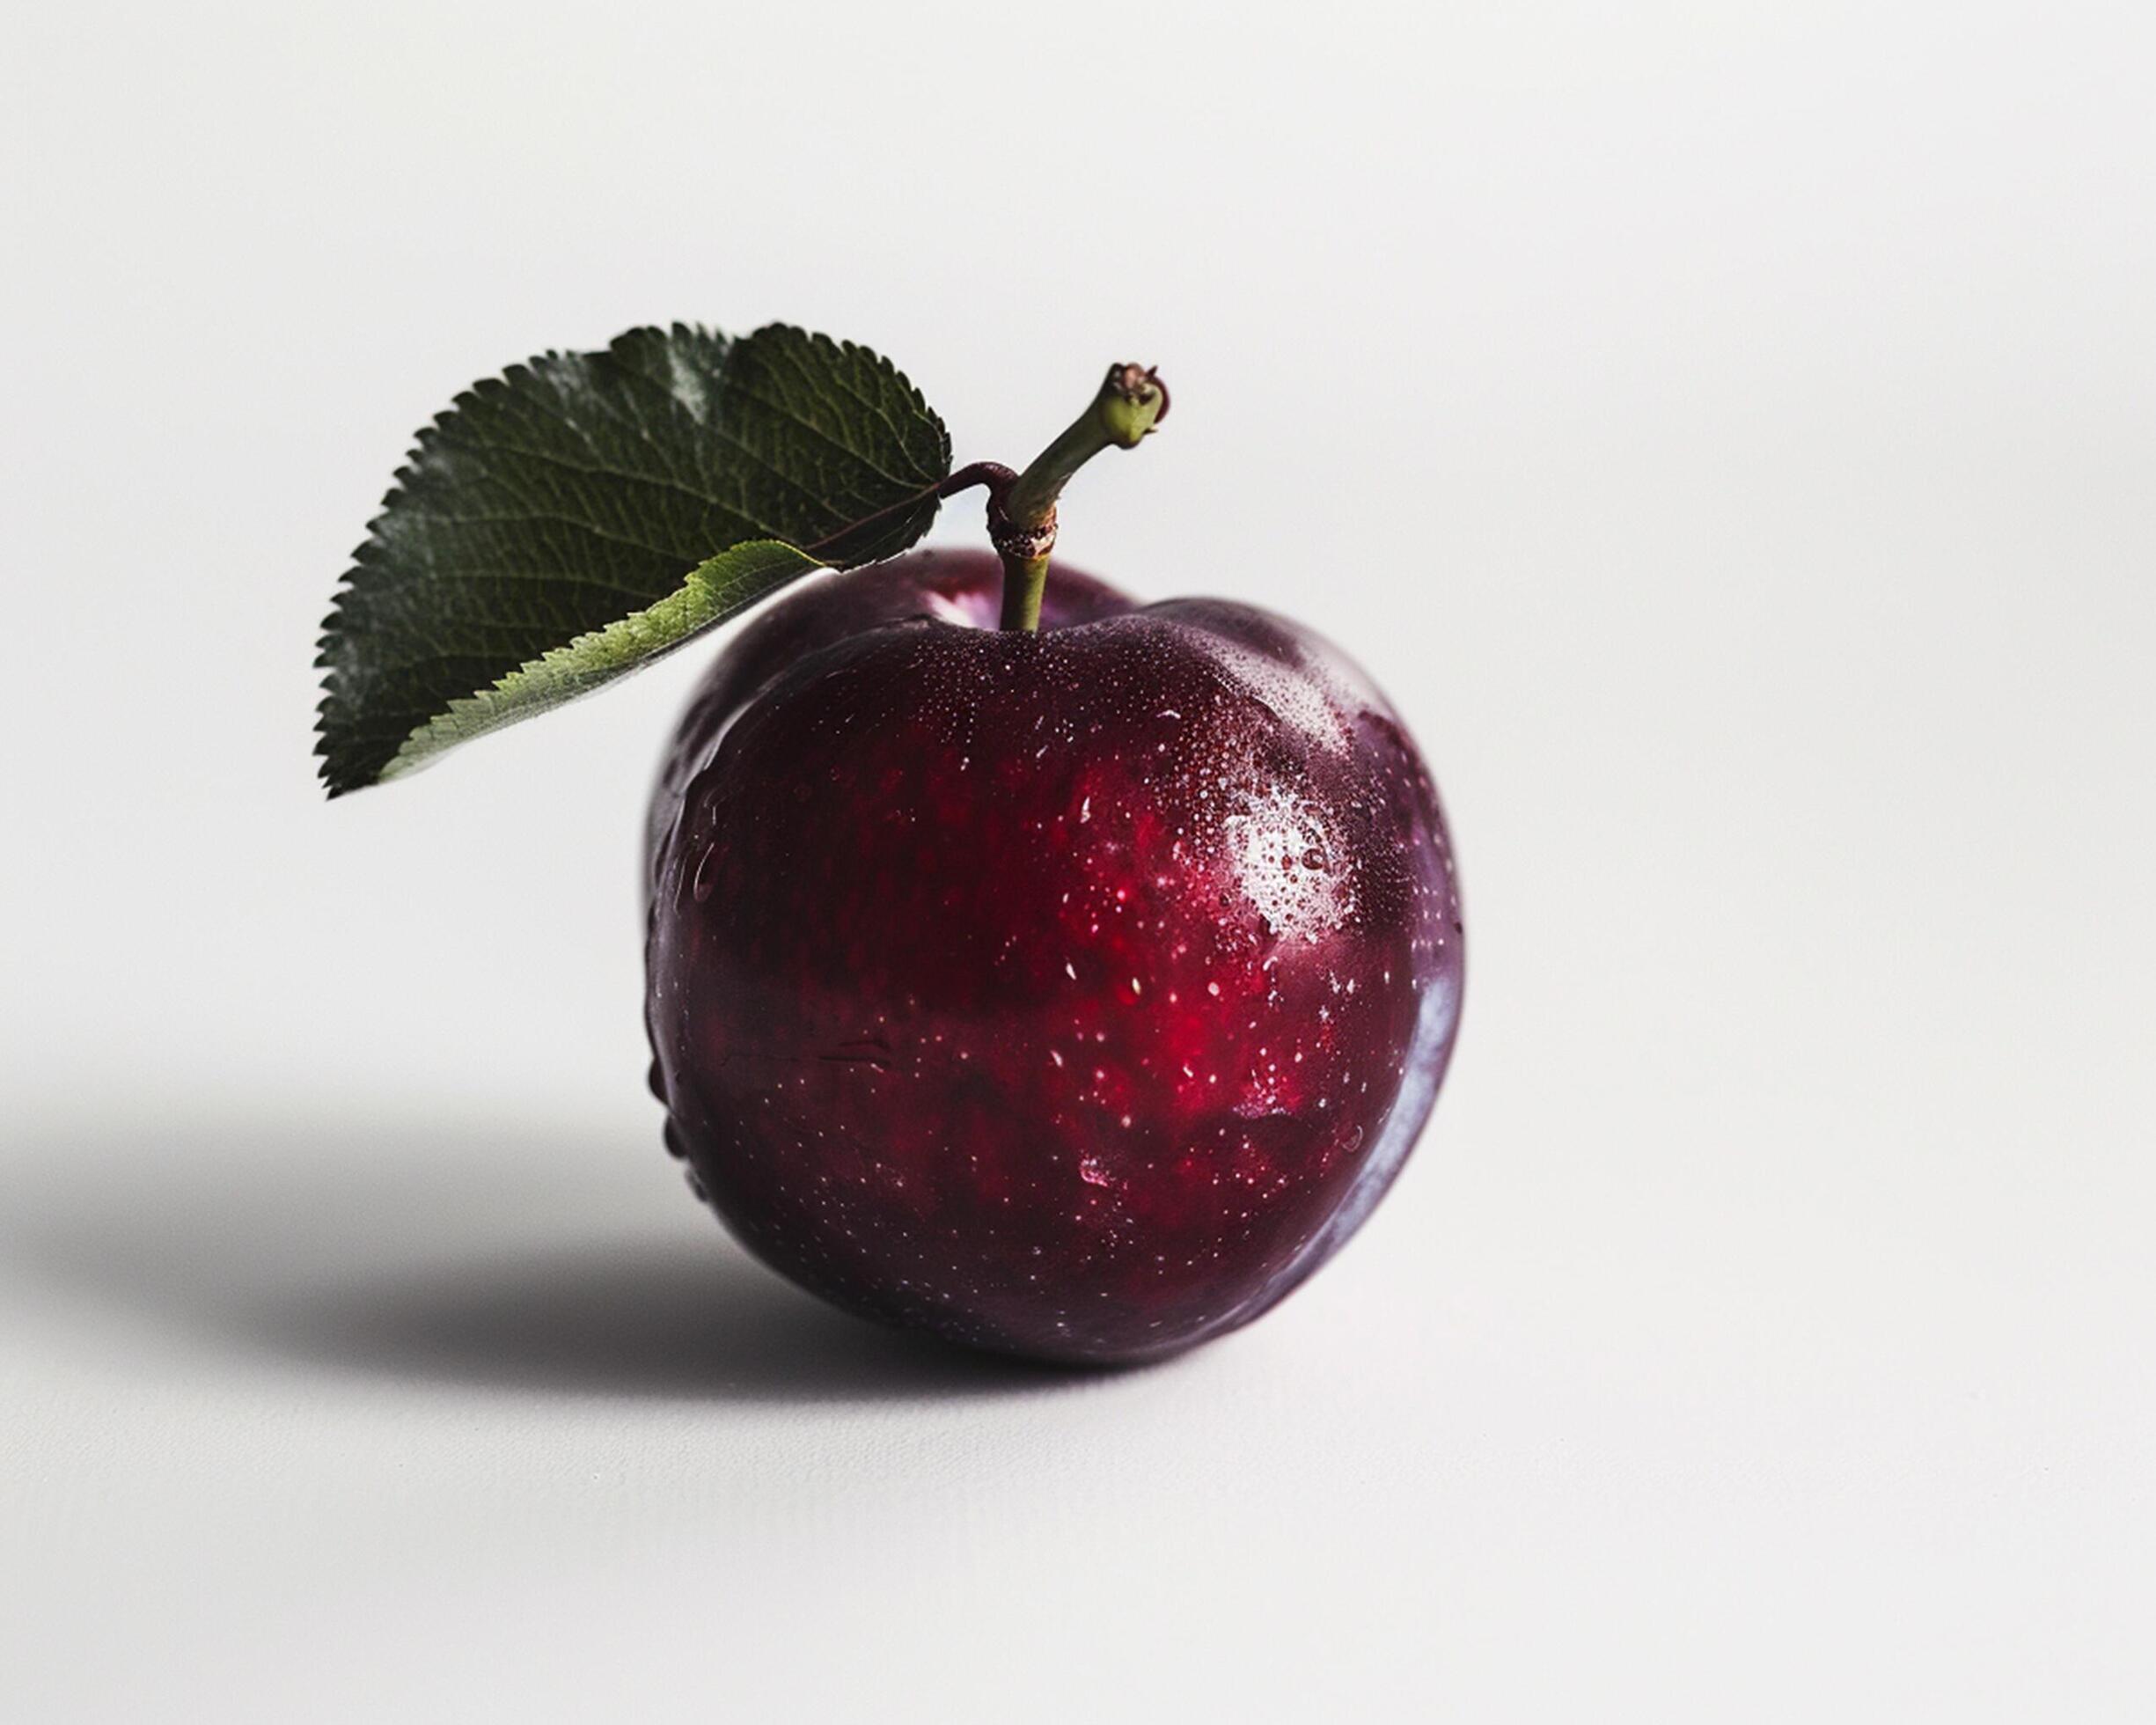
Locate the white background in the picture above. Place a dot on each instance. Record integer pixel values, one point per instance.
(1728, 433)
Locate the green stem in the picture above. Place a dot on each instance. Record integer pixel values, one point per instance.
(1025, 580)
(1022, 519)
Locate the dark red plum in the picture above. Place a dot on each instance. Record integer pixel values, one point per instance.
(1073, 994)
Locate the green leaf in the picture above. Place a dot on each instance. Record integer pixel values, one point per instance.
(715, 589)
(583, 513)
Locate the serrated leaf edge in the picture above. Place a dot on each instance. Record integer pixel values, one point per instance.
(603, 655)
(428, 741)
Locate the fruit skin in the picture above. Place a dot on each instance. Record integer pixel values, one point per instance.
(1074, 994)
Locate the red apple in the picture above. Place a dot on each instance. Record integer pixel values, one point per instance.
(1075, 995)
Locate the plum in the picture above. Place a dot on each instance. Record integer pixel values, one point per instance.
(1072, 994)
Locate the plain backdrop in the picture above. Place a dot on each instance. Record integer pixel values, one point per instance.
(1727, 431)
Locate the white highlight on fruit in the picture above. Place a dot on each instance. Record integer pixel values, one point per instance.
(1269, 838)
(1317, 692)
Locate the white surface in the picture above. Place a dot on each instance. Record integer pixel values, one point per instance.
(1736, 461)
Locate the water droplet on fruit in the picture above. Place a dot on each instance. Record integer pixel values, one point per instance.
(706, 874)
